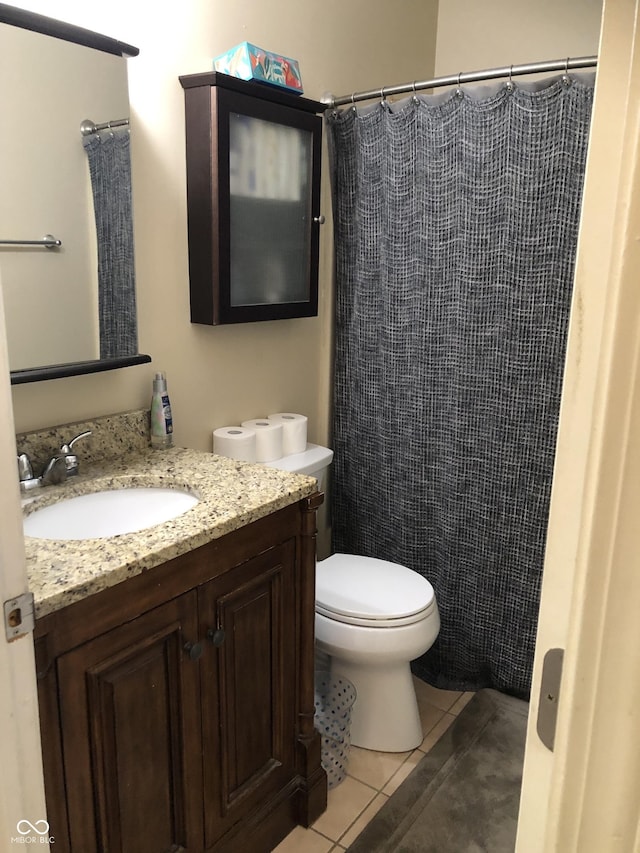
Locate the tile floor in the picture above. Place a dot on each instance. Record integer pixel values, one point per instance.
(372, 778)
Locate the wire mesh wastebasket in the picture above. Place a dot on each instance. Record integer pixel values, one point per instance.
(334, 698)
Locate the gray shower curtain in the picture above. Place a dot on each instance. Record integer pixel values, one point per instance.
(456, 221)
(110, 172)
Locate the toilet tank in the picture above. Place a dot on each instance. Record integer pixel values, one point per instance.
(313, 461)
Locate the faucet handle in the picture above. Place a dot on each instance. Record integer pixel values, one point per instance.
(71, 460)
(55, 471)
(25, 469)
(25, 473)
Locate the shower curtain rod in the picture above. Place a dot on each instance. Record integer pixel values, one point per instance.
(509, 71)
(88, 127)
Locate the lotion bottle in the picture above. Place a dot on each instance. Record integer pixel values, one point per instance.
(161, 421)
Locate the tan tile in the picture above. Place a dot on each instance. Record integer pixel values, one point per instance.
(461, 703)
(346, 802)
(356, 828)
(429, 716)
(301, 840)
(401, 774)
(442, 699)
(374, 768)
(436, 732)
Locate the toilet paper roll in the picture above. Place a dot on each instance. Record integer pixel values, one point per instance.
(236, 442)
(268, 438)
(294, 431)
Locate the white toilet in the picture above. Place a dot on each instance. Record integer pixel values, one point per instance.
(372, 618)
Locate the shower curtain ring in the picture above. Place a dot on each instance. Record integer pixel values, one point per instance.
(565, 77)
(353, 102)
(458, 89)
(510, 80)
(414, 96)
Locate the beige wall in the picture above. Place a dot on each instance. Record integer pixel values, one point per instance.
(498, 33)
(222, 375)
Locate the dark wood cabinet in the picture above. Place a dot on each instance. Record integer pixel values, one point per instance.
(246, 720)
(253, 200)
(177, 707)
(130, 713)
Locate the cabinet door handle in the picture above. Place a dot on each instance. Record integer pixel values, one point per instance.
(194, 650)
(216, 637)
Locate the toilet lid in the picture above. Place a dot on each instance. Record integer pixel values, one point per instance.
(350, 587)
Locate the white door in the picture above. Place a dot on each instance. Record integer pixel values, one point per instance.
(22, 806)
(584, 796)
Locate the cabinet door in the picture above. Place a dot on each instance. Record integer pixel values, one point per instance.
(271, 261)
(131, 730)
(248, 689)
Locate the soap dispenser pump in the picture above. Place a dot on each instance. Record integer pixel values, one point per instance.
(161, 420)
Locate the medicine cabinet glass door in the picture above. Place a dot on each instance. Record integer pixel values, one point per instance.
(253, 201)
(270, 170)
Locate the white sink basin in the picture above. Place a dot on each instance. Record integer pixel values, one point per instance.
(107, 513)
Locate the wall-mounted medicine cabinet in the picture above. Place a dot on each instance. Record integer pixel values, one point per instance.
(253, 200)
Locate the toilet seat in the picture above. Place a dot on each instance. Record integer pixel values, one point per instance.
(375, 593)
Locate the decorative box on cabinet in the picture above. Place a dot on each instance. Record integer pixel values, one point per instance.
(253, 200)
(177, 707)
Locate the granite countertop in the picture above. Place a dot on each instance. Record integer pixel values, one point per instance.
(231, 494)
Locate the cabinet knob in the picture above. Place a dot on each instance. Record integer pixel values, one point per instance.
(216, 637)
(194, 650)
(319, 219)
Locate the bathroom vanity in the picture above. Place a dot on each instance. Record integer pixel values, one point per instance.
(175, 665)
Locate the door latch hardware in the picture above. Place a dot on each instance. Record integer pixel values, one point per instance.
(19, 617)
(549, 697)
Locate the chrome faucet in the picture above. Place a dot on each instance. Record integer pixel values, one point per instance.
(54, 472)
(64, 463)
(71, 460)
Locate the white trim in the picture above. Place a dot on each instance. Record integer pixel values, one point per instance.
(21, 781)
(598, 731)
(593, 776)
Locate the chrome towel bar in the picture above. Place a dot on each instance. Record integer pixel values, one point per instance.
(48, 241)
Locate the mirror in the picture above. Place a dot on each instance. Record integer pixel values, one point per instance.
(54, 76)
